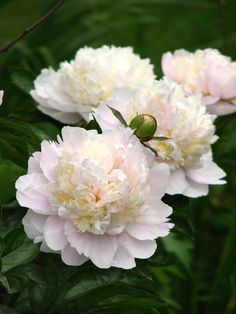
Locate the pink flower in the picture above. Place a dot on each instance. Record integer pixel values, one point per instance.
(182, 119)
(95, 196)
(1, 96)
(206, 71)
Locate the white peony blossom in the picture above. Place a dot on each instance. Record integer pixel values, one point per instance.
(95, 196)
(206, 71)
(183, 119)
(78, 86)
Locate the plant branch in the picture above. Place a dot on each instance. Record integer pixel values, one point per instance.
(32, 27)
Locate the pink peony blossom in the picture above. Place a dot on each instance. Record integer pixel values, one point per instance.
(182, 119)
(206, 71)
(95, 196)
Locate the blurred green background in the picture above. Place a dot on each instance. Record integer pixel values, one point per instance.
(194, 269)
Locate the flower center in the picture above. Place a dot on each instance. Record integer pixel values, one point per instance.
(93, 199)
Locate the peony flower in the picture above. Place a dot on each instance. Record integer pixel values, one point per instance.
(78, 86)
(182, 119)
(206, 71)
(1, 96)
(95, 196)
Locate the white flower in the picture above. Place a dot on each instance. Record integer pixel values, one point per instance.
(183, 119)
(77, 88)
(95, 196)
(206, 71)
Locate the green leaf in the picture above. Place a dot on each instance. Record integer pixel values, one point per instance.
(222, 285)
(149, 147)
(118, 116)
(87, 288)
(160, 138)
(181, 247)
(93, 125)
(9, 172)
(24, 128)
(22, 79)
(43, 288)
(18, 250)
(7, 310)
(51, 130)
(14, 281)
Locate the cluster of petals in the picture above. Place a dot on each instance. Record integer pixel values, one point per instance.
(78, 86)
(184, 121)
(205, 71)
(95, 196)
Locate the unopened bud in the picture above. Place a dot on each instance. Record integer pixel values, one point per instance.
(145, 126)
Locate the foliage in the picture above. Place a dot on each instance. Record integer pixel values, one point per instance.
(194, 269)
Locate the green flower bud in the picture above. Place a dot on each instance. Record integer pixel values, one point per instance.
(145, 126)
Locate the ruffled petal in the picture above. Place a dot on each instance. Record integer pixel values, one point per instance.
(137, 248)
(64, 117)
(208, 173)
(99, 248)
(222, 108)
(177, 182)
(49, 158)
(31, 193)
(71, 257)
(54, 233)
(70, 136)
(123, 259)
(159, 181)
(34, 163)
(195, 189)
(33, 225)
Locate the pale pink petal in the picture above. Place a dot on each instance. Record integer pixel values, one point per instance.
(209, 173)
(148, 231)
(156, 213)
(228, 90)
(32, 193)
(177, 182)
(166, 64)
(49, 158)
(195, 189)
(48, 86)
(34, 164)
(71, 257)
(99, 248)
(33, 225)
(158, 181)
(70, 136)
(1, 96)
(123, 259)
(210, 100)
(54, 233)
(105, 118)
(64, 117)
(44, 248)
(137, 248)
(222, 108)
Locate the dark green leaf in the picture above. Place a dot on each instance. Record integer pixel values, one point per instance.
(118, 116)
(22, 79)
(18, 250)
(160, 138)
(9, 172)
(93, 125)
